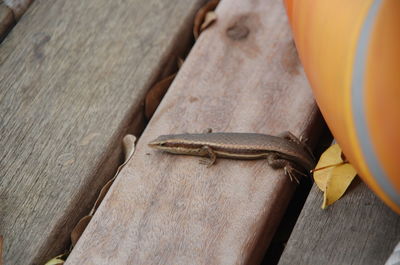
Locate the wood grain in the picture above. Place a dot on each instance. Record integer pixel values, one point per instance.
(357, 229)
(242, 75)
(73, 77)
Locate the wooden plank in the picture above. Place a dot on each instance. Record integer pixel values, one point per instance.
(242, 75)
(358, 229)
(73, 76)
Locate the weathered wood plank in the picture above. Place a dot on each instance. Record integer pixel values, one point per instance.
(358, 229)
(242, 75)
(73, 75)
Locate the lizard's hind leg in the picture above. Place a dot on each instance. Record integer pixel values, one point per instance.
(276, 162)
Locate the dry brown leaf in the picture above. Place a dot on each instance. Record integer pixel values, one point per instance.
(102, 194)
(200, 16)
(333, 175)
(128, 146)
(210, 18)
(79, 228)
(180, 62)
(155, 94)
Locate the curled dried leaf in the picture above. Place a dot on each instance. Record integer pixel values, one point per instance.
(180, 62)
(79, 228)
(201, 15)
(128, 146)
(210, 18)
(101, 196)
(155, 94)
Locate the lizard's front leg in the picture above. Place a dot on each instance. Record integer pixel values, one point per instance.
(206, 150)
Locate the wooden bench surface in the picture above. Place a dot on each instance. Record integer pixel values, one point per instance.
(357, 229)
(242, 75)
(73, 76)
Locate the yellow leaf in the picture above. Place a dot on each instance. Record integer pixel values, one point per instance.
(56, 260)
(331, 156)
(338, 182)
(333, 175)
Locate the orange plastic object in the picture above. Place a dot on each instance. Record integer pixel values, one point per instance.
(350, 51)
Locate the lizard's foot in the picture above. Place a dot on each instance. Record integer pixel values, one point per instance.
(300, 141)
(206, 161)
(293, 172)
(290, 173)
(212, 156)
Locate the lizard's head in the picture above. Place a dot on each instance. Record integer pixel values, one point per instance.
(159, 142)
(176, 144)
